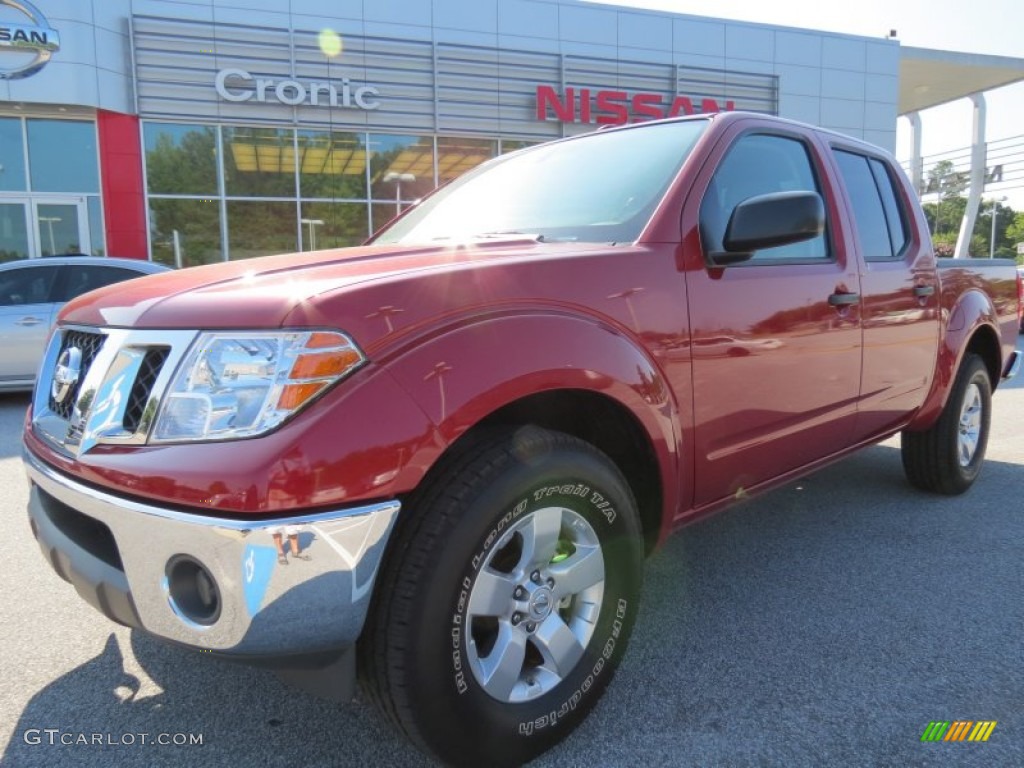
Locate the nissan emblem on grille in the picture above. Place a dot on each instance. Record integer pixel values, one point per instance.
(65, 376)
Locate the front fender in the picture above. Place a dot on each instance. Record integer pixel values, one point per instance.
(973, 313)
(462, 375)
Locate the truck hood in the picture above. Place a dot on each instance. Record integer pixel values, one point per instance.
(263, 292)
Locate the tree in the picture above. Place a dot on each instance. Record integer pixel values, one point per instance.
(944, 179)
(945, 216)
(948, 184)
(1015, 234)
(1005, 247)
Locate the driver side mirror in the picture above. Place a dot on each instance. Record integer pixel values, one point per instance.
(767, 221)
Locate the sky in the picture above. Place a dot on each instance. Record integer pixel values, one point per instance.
(993, 27)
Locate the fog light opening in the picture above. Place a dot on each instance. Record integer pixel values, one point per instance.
(192, 590)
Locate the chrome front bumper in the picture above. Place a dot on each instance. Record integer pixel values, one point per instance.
(120, 554)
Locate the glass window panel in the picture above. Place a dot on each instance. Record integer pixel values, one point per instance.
(261, 229)
(197, 223)
(259, 162)
(384, 211)
(332, 164)
(401, 167)
(456, 155)
(511, 145)
(59, 230)
(97, 241)
(180, 159)
(333, 225)
(13, 231)
(12, 157)
(62, 156)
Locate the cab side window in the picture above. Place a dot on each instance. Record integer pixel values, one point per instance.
(758, 164)
(879, 219)
(31, 285)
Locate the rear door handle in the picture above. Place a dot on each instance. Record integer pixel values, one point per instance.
(843, 299)
(923, 291)
(29, 321)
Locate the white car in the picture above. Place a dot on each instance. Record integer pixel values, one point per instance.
(32, 291)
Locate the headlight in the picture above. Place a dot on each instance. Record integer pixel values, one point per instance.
(237, 384)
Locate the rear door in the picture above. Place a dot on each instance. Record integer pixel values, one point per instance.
(899, 288)
(776, 339)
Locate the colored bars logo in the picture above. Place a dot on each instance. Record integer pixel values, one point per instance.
(959, 730)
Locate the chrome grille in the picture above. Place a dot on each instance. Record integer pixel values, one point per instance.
(89, 345)
(152, 363)
(123, 374)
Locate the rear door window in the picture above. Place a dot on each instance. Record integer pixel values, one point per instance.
(878, 218)
(895, 215)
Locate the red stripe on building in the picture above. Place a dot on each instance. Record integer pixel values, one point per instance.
(124, 199)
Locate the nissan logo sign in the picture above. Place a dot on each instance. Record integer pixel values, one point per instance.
(28, 46)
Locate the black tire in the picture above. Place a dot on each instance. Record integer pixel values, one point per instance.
(423, 646)
(937, 459)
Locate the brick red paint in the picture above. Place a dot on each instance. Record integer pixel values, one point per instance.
(124, 199)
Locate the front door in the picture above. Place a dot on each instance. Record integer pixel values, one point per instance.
(36, 226)
(61, 225)
(16, 239)
(776, 339)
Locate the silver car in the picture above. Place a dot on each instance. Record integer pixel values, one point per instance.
(32, 291)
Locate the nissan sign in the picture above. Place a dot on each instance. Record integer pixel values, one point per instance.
(25, 47)
(614, 107)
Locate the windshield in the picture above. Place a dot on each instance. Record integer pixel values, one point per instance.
(602, 187)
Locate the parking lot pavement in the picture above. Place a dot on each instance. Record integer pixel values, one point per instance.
(826, 623)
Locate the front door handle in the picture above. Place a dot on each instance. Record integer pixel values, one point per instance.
(29, 321)
(923, 291)
(843, 299)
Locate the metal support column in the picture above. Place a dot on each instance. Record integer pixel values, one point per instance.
(916, 161)
(963, 242)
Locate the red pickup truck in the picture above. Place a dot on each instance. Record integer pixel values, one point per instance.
(446, 453)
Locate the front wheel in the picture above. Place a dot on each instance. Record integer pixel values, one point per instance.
(947, 457)
(507, 599)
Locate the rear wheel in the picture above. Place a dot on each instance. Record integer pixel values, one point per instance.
(506, 600)
(947, 458)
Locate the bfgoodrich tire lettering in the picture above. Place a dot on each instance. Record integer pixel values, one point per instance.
(947, 458)
(522, 556)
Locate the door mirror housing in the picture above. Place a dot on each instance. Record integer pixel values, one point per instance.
(767, 221)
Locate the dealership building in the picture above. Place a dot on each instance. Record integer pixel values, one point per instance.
(193, 132)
